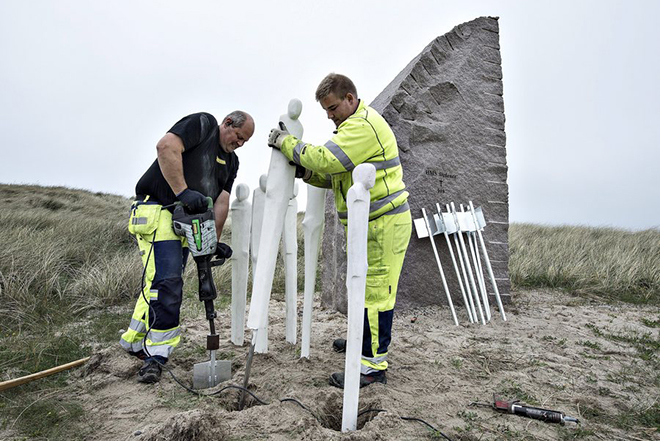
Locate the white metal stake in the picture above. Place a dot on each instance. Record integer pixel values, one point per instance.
(464, 271)
(489, 267)
(442, 273)
(358, 199)
(477, 272)
(453, 259)
(467, 264)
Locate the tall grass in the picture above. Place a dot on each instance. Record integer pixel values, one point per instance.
(613, 263)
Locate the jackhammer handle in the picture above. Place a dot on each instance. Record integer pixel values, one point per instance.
(218, 262)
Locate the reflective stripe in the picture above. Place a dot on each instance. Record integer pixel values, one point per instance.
(131, 347)
(380, 203)
(296, 152)
(156, 337)
(375, 360)
(369, 365)
(340, 155)
(160, 350)
(137, 326)
(381, 165)
(153, 293)
(400, 209)
(139, 221)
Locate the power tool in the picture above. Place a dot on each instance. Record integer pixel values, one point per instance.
(549, 416)
(199, 230)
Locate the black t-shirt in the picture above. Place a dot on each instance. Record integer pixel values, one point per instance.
(207, 168)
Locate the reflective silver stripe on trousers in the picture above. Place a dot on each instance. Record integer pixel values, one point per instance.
(296, 152)
(160, 337)
(381, 165)
(380, 203)
(340, 155)
(131, 347)
(161, 350)
(137, 326)
(365, 370)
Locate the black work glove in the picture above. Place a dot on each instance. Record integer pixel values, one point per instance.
(301, 172)
(193, 200)
(223, 251)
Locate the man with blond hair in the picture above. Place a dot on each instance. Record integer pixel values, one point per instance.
(362, 136)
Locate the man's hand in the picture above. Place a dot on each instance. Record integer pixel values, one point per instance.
(277, 136)
(223, 251)
(193, 200)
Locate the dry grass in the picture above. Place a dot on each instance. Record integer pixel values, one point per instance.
(615, 264)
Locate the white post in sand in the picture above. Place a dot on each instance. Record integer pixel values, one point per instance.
(290, 255)
(312, 228)
(258, 204)
(358, 199)
(240, 243)
(279, 190)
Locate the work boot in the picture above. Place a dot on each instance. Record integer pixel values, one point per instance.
(337, 379)
(149, 372)
(339, 345)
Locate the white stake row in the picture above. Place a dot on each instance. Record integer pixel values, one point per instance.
(466, 227)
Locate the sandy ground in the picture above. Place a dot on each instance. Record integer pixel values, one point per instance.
(549, 351)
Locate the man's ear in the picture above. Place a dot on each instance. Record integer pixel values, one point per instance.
(350, 97)
(228, 122)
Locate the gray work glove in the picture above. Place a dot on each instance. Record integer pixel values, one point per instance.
(277, 136)
(223, 251)
(193, 200)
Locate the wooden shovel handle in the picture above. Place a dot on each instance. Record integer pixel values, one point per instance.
(22, 380)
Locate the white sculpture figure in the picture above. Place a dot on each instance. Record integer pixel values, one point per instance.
(279, 190)
(364, 177)
(241, 215)
(258, 203)
(290, 254)
(312, 228)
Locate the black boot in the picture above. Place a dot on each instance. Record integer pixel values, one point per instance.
(339, 345)
(149, 372)
(337, 379)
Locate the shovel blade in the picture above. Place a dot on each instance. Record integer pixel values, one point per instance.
(202, 373)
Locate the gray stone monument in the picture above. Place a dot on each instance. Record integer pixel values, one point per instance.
(447, 111)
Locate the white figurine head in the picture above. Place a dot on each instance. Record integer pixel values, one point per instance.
(263, 179)
(295, 108)
(242, 192)
(365, 174)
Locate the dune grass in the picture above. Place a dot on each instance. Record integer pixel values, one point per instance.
(611, 263)
(70, 273)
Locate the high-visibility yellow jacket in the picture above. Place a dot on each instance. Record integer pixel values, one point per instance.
(365, 136)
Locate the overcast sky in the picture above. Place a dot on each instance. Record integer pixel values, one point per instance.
(88, 88)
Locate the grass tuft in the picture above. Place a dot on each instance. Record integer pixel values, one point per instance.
(612, 263)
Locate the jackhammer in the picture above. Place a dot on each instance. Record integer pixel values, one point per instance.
(199, 229)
